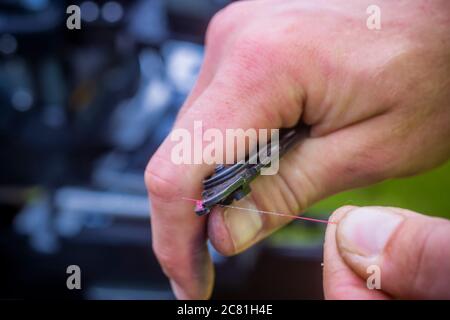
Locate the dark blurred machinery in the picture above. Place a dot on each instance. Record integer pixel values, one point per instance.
(81, 113)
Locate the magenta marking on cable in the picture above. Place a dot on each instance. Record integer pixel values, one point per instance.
(199, 204)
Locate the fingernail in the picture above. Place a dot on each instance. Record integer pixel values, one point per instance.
(366, 231)
(243, 226)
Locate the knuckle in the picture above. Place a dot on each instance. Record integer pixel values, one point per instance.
(232, 11)
(223, 21)
(215, 28)
(245, 66)
(250, 47)
(424, 261)
(371, 164)
(218, 20)
(255, 56)
(421, 265)
(161, 184)
(419, 259)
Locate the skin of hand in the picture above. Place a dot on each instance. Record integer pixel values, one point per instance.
(410, 250)
(377, 102)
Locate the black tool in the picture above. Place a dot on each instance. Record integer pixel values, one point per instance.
(229, 183)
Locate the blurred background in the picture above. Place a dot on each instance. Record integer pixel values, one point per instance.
(81, 112)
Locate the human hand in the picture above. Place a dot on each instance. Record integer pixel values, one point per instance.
(411, 253)
(377, 103)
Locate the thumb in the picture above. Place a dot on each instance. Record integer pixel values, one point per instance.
(411, 250)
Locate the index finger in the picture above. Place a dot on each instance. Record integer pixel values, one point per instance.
(179, 236)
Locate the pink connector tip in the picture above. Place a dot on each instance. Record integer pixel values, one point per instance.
(198, 205)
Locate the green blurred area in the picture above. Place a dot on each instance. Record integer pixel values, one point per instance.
(428, 193)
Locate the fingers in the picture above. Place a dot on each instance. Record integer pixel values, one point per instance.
(184, 258)
(258, 77)
(339, 280)
(234, 229)
(236, 92)
(412, 252)
(179, 236)
(315, 168)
